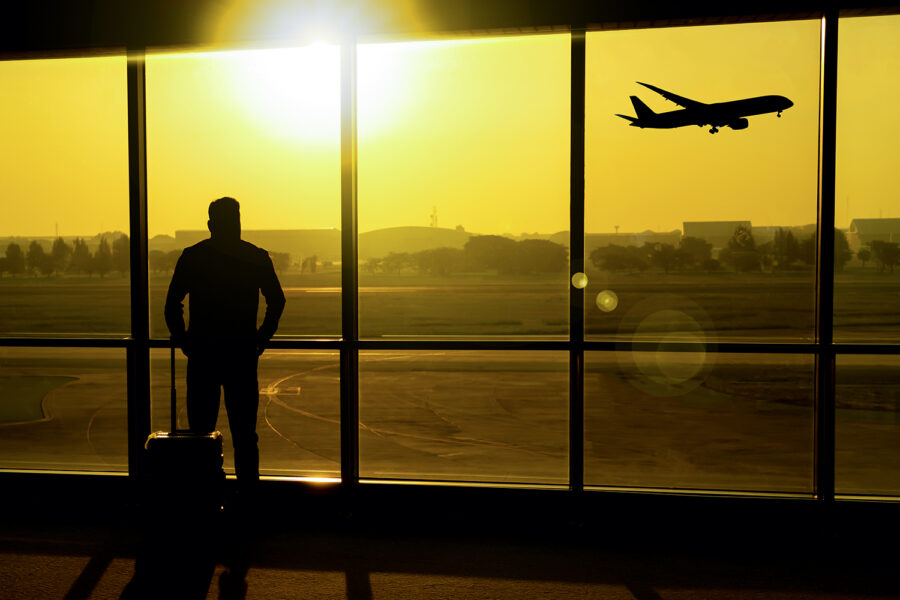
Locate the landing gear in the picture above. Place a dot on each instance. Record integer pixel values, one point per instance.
(779, 114)
(714, 129)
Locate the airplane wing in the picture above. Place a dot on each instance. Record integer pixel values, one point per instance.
(679, 100)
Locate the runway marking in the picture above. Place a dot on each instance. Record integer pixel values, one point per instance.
(273, 392)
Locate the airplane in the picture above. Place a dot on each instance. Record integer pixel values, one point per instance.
(720, 114)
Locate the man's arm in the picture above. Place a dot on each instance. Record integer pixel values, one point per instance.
(174, 310)
(274, 295)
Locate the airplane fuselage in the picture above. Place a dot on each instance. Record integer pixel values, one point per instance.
(731, 114)
(718, 114)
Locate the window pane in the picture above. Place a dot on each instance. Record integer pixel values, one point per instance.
(464, 416)
(464, 187)
(64, 254)
(867, 209)
(867, 457)
(263, 127)
(691, 234)
(63, 409)
(298, 421)
(699, 421)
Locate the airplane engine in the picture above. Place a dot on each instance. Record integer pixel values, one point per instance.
(739, 124)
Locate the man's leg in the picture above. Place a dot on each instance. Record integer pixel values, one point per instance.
(203, 391)
(242, 403)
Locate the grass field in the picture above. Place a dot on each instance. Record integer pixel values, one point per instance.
(722, 306)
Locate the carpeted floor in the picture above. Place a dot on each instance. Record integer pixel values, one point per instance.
(53, 558)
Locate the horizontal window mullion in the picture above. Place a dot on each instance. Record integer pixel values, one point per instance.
(463, 345)
(48, 342)
(280, 344)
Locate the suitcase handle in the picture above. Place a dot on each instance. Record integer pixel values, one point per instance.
(174, 415)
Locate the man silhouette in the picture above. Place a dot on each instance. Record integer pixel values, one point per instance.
(223, 276)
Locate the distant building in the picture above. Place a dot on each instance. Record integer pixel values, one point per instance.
(766, 233)
(716, 233)
(299, 243)
(864, 231)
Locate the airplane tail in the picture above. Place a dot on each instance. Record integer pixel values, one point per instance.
(643, 111)
(627, 118)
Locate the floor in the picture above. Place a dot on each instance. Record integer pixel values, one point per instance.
(95, 557)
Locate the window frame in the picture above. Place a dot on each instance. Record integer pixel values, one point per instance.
(823, 349)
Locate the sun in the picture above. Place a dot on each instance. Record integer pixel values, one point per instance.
(292, 93)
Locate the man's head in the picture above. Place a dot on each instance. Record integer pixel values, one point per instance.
(225, 218)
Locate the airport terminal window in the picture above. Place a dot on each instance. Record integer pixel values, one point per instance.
(299, 410)
(867, 209)
(464, 172)
(703, 421)
(702, 233)
(867, 402)
(464, 416)
(262, 126)
(64, 251)
(63, 409)
(464, 187)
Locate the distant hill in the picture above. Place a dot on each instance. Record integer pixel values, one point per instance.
(163, 242)
(381, 242)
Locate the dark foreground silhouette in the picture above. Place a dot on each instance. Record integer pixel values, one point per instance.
(719, 114)
(223, 277)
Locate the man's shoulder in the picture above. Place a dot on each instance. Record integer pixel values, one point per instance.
(198, 247)
(242, 250)
(255, 252)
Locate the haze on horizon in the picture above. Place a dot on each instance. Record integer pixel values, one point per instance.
(477, 129)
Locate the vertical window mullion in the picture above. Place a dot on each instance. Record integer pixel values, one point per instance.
(138, 353)
(825, 416)
(576, 258)
(349, 280)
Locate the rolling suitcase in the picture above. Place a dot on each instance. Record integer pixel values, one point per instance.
(185, 478)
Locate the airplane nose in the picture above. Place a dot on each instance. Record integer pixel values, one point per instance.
(788, 103)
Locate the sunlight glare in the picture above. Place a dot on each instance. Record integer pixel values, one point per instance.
(383, 86)
(294, 93)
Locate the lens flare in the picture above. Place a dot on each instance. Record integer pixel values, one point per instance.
(579, 280)
(663, 325)
(607, 301)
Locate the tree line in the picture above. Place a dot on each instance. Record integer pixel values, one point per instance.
(489, 253)
(65, 258)
(481, 253)
(784, 253)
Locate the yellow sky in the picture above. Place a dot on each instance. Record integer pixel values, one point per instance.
(657, 178)
(63, 146)
(478, 129)
(868, 138)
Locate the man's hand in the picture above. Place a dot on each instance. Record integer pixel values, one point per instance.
(182, 341)
(261, 343)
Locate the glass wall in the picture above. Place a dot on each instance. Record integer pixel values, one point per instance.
(263, 127)
(464, 416)
(64, 251)
(63, 409)
(867, 208)
(867, 402)
(700, 215)
(692, 420)
(298, 422)
(464, 187)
